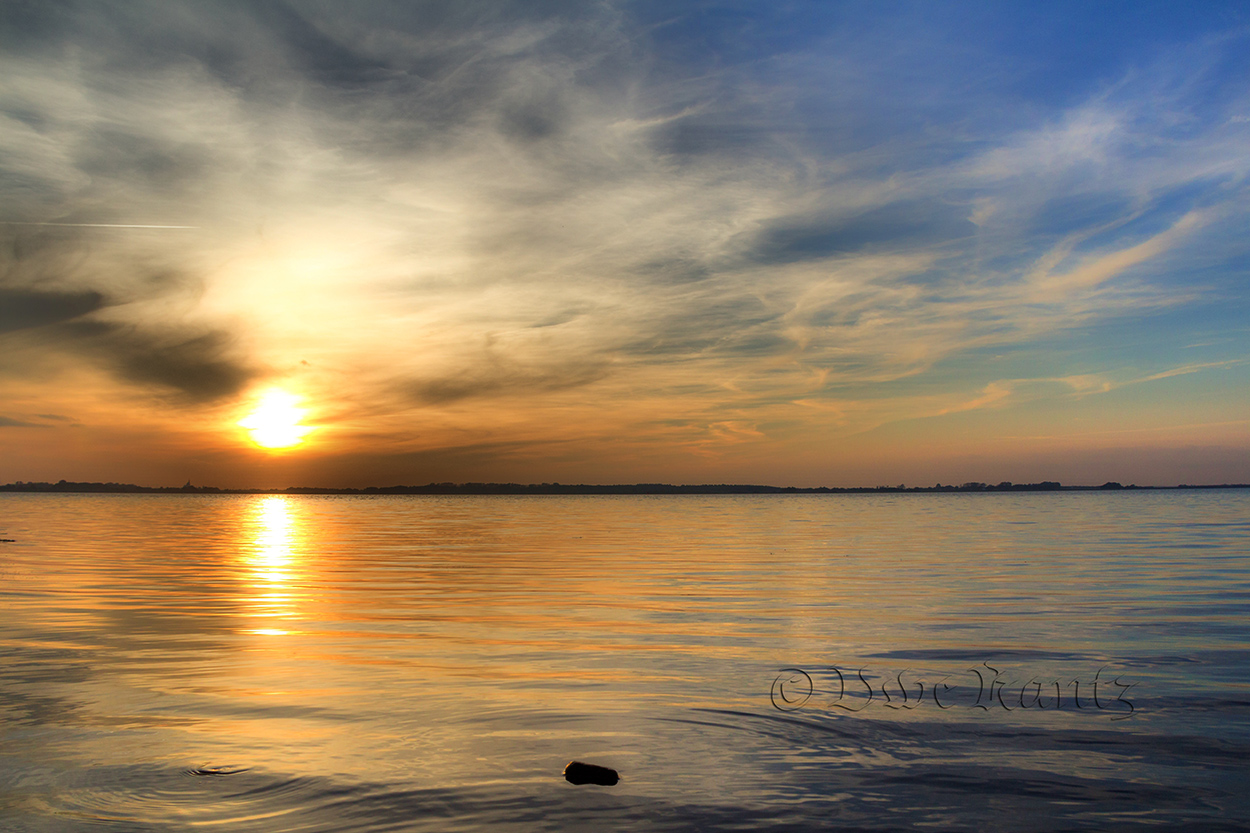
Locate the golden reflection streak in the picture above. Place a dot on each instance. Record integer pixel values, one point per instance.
(274, 564)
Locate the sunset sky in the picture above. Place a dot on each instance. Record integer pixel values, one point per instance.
(794, 243)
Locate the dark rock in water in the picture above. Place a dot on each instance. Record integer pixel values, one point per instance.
(579, 773)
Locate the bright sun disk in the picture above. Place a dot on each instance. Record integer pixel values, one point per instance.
(276, 421)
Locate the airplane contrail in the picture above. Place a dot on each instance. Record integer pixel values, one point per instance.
(88, 225)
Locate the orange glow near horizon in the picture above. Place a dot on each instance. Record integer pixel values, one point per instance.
(275, 422)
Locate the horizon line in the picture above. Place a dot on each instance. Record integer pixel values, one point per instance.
(556, 488)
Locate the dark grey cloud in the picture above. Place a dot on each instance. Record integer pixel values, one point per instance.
(38, 308)
(138, 159)
(498, 379)
(8, 422)
(114, 266)
(200, 367)
(533, 116)
(732, 134)
(709, 327)
(22, 309)
(329, 59)
(31, 25)
(903, 224)
(675, 270)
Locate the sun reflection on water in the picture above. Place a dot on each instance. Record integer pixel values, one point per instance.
(274, 565)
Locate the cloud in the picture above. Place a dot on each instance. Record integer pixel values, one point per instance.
(1189, 368)
(24, 308)
(994, 395)
(200, 368)
(900, 224)
(86, 293)
(437, 204)
(498, 379)
(1094, 270)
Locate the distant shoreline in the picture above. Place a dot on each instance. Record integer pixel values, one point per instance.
(64, 486)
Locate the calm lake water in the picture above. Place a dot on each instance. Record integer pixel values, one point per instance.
(257, 663)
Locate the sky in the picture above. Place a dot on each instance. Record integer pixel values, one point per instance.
(792, 243)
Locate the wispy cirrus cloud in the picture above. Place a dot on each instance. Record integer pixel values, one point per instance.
(425, 215)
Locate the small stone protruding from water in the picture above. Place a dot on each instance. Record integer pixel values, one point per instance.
(579, 773)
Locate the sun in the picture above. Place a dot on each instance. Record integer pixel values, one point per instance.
(275, 423)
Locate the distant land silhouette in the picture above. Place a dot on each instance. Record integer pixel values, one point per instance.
(584, 489)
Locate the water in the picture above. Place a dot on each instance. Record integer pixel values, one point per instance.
(257, 663)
